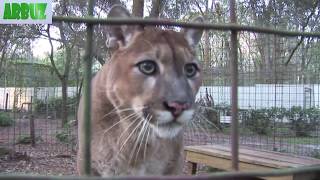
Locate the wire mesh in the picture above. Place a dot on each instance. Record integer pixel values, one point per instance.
(34, 135)
(278, 103)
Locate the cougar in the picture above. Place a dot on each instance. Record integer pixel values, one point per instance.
(142, 99)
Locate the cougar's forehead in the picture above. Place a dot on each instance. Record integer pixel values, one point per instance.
(154, 39)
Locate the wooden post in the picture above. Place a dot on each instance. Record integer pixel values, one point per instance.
(191, 168)
(6, 105)
(32, 129)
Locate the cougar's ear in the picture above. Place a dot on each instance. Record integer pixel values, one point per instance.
(120, 33)
(193, 36)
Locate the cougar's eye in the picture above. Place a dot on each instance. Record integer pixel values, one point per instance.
(190, 70)
(147, 67)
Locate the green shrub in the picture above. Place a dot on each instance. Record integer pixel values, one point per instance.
(4, 151)
(40, 106)
(315, 153)
(54, 104)
(224, 108)
(5, 119)
(26, 139)
(303, 121)
(65, 135)
(257, 121)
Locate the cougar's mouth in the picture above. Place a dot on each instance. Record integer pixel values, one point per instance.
(165, 125)
(172, 123)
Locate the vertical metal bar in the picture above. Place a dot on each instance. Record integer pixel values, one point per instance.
(86, 166)
(234, 90)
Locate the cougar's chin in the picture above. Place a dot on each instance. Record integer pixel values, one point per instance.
(166, 126)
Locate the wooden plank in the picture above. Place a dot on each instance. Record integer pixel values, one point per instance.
(225, 164)
(274, 155)
(282, 159)
(220, 162)
(243, 158)
(290, 161)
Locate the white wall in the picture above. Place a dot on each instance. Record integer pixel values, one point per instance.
(24, 94)
(264, 95)
(255, 97)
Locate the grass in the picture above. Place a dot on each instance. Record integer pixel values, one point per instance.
(5, 119)
(209, 169)
(301, 140)
(289, 140)
(242, 131)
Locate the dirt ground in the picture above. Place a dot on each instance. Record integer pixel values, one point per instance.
(52, 157)
(48, 157)
(38, 162)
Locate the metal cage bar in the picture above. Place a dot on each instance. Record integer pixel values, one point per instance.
(86, 163)
(233, 27)
(234, 89)
(313, 170)
(165, 22)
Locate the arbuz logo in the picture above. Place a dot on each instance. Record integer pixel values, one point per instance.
(26, 12)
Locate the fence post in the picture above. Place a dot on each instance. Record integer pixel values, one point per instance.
(6, 105)
(86, 165)
(234, 90)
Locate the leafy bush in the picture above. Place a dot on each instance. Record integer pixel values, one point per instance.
(315, 153)
(26, 139)
(257, 121)
(53, 104)
(224, 108)
(65, 135)
(206, 116)
(5, 119)
(4, 151)
(303, 121)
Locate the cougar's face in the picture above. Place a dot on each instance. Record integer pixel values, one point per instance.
(158, 76)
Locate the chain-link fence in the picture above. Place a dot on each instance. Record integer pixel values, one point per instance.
(278, 102)
(278, 99)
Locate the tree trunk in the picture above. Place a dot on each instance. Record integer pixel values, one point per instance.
(77, 73)
(137, 8)
(2, 60)
(156, 7)
(206, 53)
(64, 107)
(206, 49)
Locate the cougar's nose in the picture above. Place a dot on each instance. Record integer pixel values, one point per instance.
(176, 108)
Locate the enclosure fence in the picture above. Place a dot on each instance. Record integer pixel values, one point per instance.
(234, 28)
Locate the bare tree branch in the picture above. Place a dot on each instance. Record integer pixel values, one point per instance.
(303, 29)
(51, 55)
(137, 8)
(157, 6)
(201, 11)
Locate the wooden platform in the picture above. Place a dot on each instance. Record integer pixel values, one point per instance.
(219, 156)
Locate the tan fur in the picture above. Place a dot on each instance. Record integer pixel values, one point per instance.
(120, 85)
